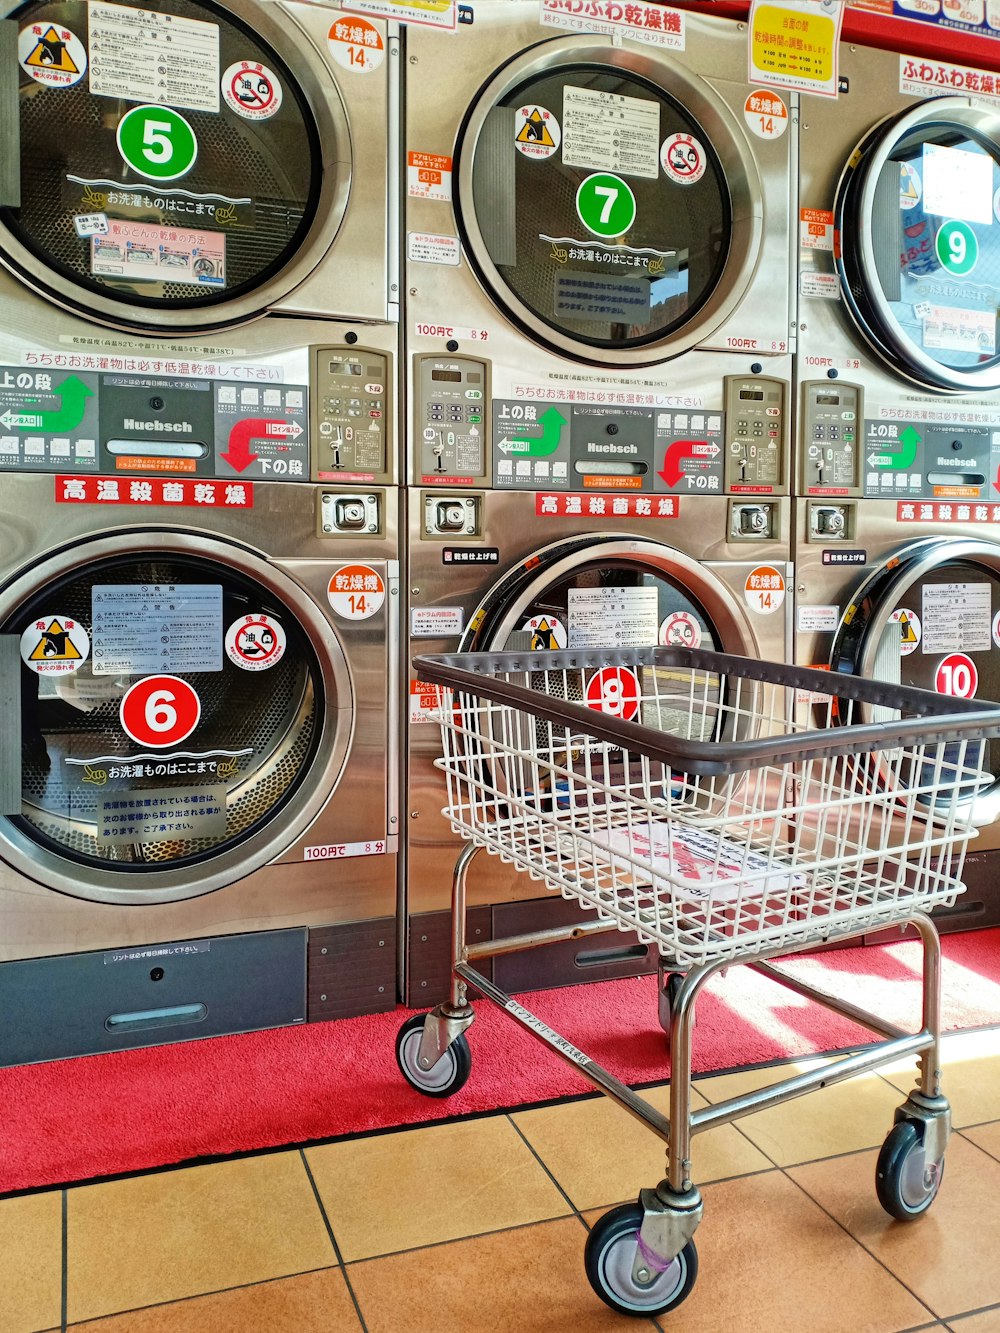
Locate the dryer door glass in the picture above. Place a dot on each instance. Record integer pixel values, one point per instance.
(610, 603)
(170, 709)
(599, 204)
(167, 181)
(940, 632)
(919, 219)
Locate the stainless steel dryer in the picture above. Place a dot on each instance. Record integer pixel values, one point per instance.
(253, 471)
(898, 393)
(205, 668)
(598, 354)
(186, 166)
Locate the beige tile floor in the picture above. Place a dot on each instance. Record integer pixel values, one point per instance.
(480, 1225)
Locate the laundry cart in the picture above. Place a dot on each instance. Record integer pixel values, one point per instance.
(728, 810)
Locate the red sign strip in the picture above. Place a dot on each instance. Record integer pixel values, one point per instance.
(562, 505)
(171, 492)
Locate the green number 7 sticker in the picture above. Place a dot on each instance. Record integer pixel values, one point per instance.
(157, 143)
(605, 205)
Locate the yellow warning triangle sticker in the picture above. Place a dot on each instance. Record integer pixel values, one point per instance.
(55, 645)
(906, 631)
(907, 185)
(51, 53)
(535, 130)
(543, 639)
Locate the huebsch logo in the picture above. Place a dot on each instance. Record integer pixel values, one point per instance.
(181, 427)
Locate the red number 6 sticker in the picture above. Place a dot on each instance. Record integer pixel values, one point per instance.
(160, 711)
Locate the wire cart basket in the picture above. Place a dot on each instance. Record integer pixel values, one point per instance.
(727, 810)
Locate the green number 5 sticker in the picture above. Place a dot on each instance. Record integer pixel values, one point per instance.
(605, 205)
(157, 142)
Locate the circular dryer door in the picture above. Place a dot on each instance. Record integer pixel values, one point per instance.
(930, 617)
(624, 265)
(614, 592)
(185, 712)
(918, 215)
(181, 196)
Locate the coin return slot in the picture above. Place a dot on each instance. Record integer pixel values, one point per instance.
(615, 468)
(159, 448)
(170, 1016)
(956, 479)
(350, 513)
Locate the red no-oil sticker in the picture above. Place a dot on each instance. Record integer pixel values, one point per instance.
(160, 711)
(614, 690)
(683, 158)
(255, 642)
(251, 90)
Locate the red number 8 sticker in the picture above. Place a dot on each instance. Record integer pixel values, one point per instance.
(614, 690)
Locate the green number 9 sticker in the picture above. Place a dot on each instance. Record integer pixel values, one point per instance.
(957, 248)
(157, 143)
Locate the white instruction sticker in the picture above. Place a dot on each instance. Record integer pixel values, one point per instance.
(142, 628)
(612, 617)
(956, 617)
(140, 55)
(816, 618)
(436, 622)
(423, 248)
(610, 132)
(824, 285)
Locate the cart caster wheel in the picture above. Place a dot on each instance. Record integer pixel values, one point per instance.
(905, 1182)
(609, 1256)
(449, 1074)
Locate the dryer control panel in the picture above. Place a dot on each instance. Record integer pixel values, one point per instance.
(451, 424)
(832, 455)
(756, 434)
(351, 411)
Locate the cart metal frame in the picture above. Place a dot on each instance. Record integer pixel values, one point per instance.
(671, 1212)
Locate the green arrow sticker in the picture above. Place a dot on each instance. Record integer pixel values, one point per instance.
(539, 446)
(957, 248)
(605, 205)
(157, 142)
(67, 416)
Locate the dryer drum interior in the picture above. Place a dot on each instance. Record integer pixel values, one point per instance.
(629, 267)
(255, 740)
(215, 233)
(918, 220)
(679, 601)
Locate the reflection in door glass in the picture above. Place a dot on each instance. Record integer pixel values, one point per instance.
(935, 232)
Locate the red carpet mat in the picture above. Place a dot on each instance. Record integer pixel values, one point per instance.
(106, 1114)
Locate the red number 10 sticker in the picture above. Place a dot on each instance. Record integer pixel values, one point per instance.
(957, 675)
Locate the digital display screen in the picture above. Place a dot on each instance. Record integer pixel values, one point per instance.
(754, 395)
(448, 376)
(827, 400)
